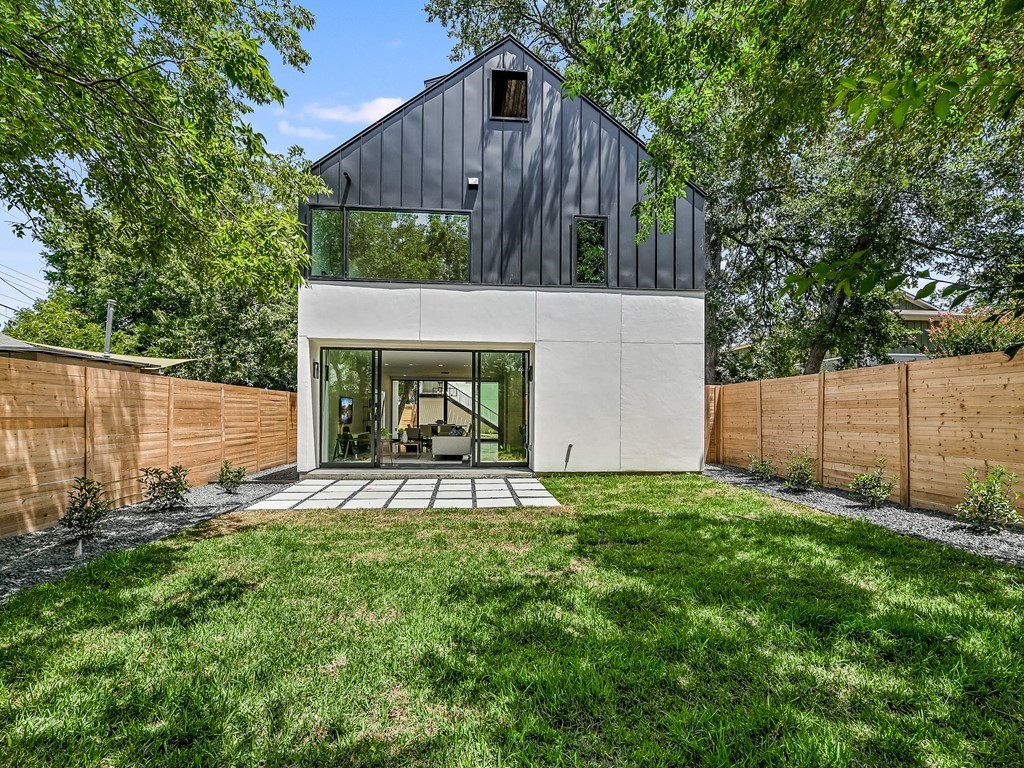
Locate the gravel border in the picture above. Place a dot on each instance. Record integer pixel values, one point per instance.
(1006, 545)
(49, 555)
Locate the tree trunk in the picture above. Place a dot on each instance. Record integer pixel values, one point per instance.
(713, 271)
(819, 347)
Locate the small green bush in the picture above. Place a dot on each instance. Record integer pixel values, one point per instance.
(762, 469)
(165, 489)
(230, 478)
(800, 471)
(86, 507)
(988, 504)
(874, 487)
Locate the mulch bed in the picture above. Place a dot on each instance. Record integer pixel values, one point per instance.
(1006, 545)
(48, 555)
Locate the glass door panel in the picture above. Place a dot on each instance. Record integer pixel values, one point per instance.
(502, 408)
(348, 409)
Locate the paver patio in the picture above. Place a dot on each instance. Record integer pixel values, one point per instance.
(412, 493)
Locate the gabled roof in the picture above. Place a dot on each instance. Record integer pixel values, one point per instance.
(439, 82)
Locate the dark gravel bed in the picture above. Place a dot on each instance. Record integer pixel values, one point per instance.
(48, 555)
(1007, 545)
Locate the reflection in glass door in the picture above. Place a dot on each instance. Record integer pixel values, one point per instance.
(502, 407)
(347, 406)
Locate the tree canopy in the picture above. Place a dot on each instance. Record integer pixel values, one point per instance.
(139, 109)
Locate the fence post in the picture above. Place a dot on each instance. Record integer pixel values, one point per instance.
(821, 428)
(222, 433)
(170, 421)
(85, 423)
(259, 429)
(760, 441)
(903, 386)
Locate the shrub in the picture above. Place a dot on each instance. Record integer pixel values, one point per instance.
(988, 504)
(974, 333)
(762, 469)
(874, 487)
(86, 507)
(230, 478)
(165, 489)
(800, 471)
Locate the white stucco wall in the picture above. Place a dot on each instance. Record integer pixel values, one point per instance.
(618, 374)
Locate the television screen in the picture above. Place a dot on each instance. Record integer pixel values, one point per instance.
(344, 410)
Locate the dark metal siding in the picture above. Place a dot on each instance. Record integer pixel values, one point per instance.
(568, 159)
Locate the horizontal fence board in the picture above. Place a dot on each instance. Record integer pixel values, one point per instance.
(931, 423)
(60, 421)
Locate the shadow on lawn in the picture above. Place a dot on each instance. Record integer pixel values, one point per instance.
(698, 641)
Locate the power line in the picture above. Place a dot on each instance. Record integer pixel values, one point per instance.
(31, 283)
(23, 274)
(12, 285)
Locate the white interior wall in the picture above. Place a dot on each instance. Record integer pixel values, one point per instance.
(618, 374)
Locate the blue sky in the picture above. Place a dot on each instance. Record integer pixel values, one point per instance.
(368, 57)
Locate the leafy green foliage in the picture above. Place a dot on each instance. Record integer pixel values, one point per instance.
(989, 504)
(591, 252)
(800, 471)
(874, 487)
(87, 506)
(140, 108)
(978, 331)
(174, 308)
(762, 469)
(59, 320)
(165, 489)
(230, 478)
(662, 620)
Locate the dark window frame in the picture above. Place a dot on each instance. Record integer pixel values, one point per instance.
(575, 250)
(344, 209)
(523, 74)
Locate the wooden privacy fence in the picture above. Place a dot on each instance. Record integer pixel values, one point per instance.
(61, 421)
(931, 420)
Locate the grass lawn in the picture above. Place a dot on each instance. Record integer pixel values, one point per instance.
(657, 621)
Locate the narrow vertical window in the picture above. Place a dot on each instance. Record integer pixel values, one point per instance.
(326, 242)
(591, 252)
(508, 95)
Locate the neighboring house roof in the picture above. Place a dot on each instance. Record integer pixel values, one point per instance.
(9, 345)
(919, 309)
(438, 82)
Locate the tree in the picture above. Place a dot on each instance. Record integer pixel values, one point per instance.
(935, 81)
(138, 109)
(166, 306)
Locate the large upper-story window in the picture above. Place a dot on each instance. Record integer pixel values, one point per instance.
(364, 244)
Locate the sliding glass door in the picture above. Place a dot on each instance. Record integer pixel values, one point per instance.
(502, 407)
(349, 407)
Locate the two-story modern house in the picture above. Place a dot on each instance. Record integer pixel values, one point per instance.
(477, 294)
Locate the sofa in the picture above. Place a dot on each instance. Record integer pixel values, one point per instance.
(443, 445)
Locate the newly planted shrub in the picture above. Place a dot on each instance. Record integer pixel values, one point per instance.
(230, 478)
(762, 469)
(165, 489)
(988, 504)
(800, 471)
(87, 505)
(874, 487)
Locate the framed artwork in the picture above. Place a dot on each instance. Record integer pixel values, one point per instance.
(345, 410)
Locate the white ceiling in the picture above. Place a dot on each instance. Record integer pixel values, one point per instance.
(416, 364)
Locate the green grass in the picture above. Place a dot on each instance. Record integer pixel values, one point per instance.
(658, 621)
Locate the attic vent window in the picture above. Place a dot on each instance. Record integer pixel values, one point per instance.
(508, 95)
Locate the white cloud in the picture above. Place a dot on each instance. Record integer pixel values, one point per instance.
(302, 131)
(366, 112)
(393, 43)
